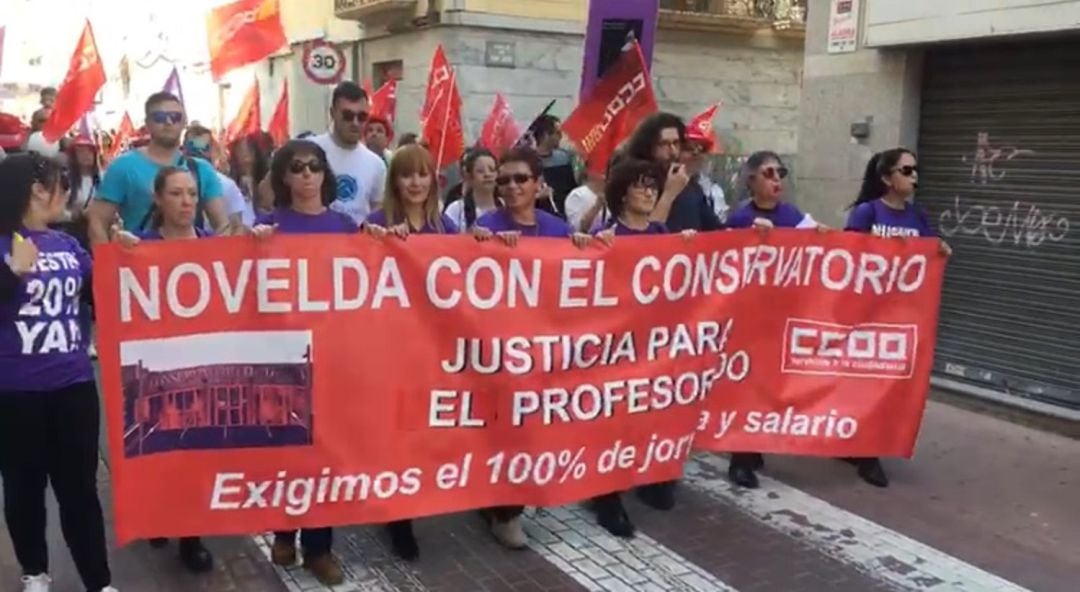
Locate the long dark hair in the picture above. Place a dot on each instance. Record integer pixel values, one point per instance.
(18, 173)
(622, 177)
(880, 165)
(469, 200)
(75, 175)
(280, 166)
(642, 144)
(259, 165)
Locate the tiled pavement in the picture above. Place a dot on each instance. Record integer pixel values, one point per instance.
(983, 498)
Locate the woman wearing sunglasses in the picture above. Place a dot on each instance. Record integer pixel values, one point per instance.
(763, 209)
(304, 187)
(173, 218)
(883, 208)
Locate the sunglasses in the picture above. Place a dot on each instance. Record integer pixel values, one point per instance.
(357, 116)
(519, 178)
(907, 171)
(166, 117)
(297, 167)
(774, 173)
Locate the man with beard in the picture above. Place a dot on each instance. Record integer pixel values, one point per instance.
(360, 172)
(683, 205)
(127, 189)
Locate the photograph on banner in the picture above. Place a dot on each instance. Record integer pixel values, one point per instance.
(444, 376)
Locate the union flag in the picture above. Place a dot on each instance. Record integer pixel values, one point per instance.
(85, 77)
(243, 32)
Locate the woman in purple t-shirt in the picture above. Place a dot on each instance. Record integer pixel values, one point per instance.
(884, 209)
(412, 204)
(764, 206)
(172, 217)
(304, 187)
(632, 189)
(49, 410)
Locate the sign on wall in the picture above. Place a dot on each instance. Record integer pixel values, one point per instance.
(324, 63)
(843, 26)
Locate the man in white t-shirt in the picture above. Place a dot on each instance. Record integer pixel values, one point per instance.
(360, 172)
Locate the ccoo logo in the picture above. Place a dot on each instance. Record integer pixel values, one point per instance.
(872, 350)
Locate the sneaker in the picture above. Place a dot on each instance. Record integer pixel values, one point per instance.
(871, 471)
(510, 534)
(325, 568)
(38, 583)
(283, 553)
(612, 517)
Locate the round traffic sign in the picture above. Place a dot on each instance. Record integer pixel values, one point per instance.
(323, 63)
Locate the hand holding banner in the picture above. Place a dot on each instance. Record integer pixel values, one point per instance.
(260, 374)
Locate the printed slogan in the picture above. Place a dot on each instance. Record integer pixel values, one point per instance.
(295, 382)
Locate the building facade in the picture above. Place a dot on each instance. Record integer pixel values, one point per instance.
(987, 93)
(746, 53)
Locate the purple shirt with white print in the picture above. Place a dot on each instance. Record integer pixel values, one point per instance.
(877, 218)
(42, 343)
(547, 224)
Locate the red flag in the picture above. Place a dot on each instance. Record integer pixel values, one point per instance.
(384, 101)
(85, 77)
(279, 121)
(700, 129)
(248, 118)
(441, 116)
(622, 98)
(501, 130)
(367, 87)
(123, 138)
(243, 32)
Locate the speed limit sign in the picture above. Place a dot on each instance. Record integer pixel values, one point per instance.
(323, 63)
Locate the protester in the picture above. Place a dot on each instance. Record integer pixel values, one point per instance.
(682, 205)
(360, 173)
(763, 177)
(199, 143)
(304, 188)
(559, 171)
(378, 133)
(479, 171)
(127, 189)
(459, 189)
(49, 411)
(47, 96)
(248, 166)
(84, 177)
(695, 155)
(519, 181)
(583, 206)
(883, 208)
(176, 199)
(407, 139)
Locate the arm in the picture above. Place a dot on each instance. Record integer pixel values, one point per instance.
(676, 181)
(210, 192)
(375, 193)
(100, 217)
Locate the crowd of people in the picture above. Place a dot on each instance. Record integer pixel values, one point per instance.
(183, 185)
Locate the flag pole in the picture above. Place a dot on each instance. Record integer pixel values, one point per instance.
(446, 119)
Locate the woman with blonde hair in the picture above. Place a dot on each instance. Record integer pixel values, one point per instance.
(411, 202)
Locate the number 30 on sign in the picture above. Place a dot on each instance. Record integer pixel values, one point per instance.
(323, 63)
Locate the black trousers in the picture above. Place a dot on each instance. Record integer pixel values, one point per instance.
(506, 513)
(313, 541)
(52, 437)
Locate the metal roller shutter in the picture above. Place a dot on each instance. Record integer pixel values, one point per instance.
(999, 157)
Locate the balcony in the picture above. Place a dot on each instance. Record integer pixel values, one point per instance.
(358, 10)
(786, 18)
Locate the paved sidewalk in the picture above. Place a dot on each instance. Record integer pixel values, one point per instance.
(985, 505)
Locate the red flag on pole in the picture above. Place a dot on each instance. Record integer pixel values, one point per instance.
(384, 101)
(367, 87)
(248, 118)
(500, 130)
(243, 32)
(441, 115)
(279, 121)
(700, 129)
(123, 138)
(85, 77)
(622, 98)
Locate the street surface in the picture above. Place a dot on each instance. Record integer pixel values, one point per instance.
(985, 505)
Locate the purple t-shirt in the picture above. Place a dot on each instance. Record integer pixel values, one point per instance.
(879, 219)
(624, 230)
(155, 234)
(378, 218)
(42, 341)
(289, 221)
(547, 224)
(782, 215)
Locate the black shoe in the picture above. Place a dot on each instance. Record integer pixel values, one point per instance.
(402, 540)
(612, 516)
(158, 543)
(742, 475)
(759, 462)
(195, 556)
(658, 496)
(872, 472)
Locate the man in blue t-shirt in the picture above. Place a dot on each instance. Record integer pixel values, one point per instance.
(127, 188)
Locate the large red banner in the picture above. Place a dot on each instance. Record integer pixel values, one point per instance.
(284, 383)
